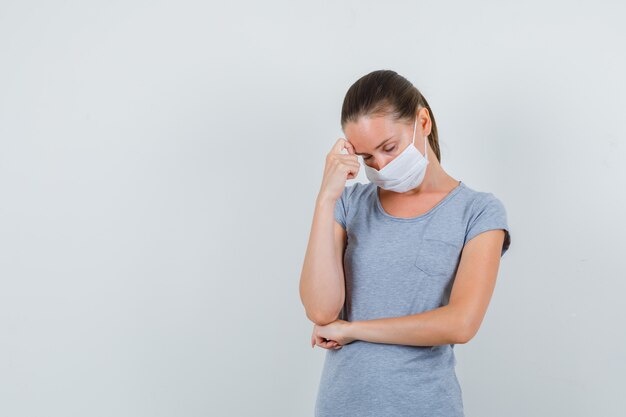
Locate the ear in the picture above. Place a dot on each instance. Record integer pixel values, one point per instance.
(423, 119)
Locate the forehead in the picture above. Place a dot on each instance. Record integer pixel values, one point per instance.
(368, 132)
(365, 125)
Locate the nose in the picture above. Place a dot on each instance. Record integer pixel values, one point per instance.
(376, 165)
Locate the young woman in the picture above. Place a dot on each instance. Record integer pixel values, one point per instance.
(399, 270)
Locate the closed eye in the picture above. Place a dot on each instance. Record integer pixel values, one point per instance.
(393, 148)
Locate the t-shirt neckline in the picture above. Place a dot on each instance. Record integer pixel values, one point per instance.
(443, 201)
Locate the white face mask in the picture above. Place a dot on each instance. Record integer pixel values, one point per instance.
(405, 172)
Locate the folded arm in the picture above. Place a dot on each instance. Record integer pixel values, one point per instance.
(459, 320)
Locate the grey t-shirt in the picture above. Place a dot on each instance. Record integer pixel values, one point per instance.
(396, 267)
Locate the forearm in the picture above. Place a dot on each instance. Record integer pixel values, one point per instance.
(322, 281)
(440, 326)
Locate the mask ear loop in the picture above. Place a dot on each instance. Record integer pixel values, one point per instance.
(425, 142)
(425, 139)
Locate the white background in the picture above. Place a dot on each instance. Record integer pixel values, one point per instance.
(159, 163)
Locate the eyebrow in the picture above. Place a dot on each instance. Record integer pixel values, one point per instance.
(381, 144)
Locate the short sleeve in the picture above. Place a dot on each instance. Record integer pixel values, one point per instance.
(342, 206)
(341, 211)
(489, 214)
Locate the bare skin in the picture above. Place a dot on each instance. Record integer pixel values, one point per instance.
(322, 285)
(473, 287)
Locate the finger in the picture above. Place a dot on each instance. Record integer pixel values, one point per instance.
(345, 160)
(349, 158)
(323, 342)
(331, 344)
(350, 148)
(352, 171)
(339, 146)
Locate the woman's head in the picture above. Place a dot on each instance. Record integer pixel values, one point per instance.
(383, 105)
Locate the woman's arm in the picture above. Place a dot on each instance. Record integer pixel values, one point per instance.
(322, 285)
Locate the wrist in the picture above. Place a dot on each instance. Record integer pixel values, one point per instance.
(352, 330)
(324, 200)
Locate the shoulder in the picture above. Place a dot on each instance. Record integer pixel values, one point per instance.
(486, 212)
(356, 191)
(479, 200)
(348, 203)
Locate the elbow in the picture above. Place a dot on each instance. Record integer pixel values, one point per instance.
(323, 313)
(322, 318)
(462, 337)
(464, 333)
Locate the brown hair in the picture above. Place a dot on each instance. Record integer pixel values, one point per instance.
(386, 92)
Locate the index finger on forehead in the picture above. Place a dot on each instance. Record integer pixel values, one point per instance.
(350, 148)
(340, 145)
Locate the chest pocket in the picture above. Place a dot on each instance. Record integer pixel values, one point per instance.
(437, 257)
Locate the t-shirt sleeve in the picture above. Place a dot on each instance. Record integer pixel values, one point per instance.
(489, 214)
(341, 206)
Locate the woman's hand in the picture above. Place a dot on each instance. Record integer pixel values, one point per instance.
(338, 169)
(332, 336)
